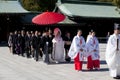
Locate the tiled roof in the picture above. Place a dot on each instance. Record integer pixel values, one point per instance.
(87, 10)
(11, 6)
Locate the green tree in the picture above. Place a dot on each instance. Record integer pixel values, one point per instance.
(39, 5)
(31, 5)
(117, 3)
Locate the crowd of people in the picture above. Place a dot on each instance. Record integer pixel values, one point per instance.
(80, 50)
(51, 47)
(40, 45)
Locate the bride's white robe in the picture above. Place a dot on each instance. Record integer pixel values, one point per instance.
(113, 56)
(58, 49)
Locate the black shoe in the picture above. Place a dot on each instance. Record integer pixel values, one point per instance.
(23, 55)
(68, 59)
(117, 77)
(36, 60)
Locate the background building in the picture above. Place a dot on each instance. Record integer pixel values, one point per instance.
(80, 14)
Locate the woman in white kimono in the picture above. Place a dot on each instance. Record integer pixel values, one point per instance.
(88, 37)
(93, 53)
(77, 50)
(113, 53)
(58, 46)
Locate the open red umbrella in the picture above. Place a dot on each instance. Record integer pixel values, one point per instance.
(48, 18)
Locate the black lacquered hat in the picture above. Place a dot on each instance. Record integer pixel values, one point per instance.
(116, 26)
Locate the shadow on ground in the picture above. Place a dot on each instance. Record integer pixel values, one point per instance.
(103, 62)
(101, 70)
(3, 44)
(72, 62)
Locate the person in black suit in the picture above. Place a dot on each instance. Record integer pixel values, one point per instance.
(47, 46)
(14, 42)
(68, 41)
(36, 45)
(40, 36)
(28, 44)
(22, 43)
(18, 44)
(32, 50)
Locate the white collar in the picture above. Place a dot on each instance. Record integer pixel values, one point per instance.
(78, 36)
(116, 35)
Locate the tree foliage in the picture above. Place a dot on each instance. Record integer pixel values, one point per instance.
(47, 4)
(117, 3)
(31, 5)
(38, 5)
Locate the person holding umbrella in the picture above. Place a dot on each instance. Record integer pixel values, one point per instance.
(46, 41)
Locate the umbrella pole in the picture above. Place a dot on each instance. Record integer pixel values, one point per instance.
(46, 54)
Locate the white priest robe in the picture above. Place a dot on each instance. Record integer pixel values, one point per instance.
(58, 49)
(91, 45)
(75, 48)
(113, 56)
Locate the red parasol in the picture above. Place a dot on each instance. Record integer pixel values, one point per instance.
(48, 18)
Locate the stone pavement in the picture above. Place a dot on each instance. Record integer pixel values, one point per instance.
(13, 67)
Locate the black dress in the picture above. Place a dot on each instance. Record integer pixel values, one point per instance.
(67, 46)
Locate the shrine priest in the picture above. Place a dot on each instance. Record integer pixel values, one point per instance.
(113, 53)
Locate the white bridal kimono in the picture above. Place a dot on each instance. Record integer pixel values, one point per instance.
(75, 48)
(91, 45)
(113, 56)
(58, 49)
